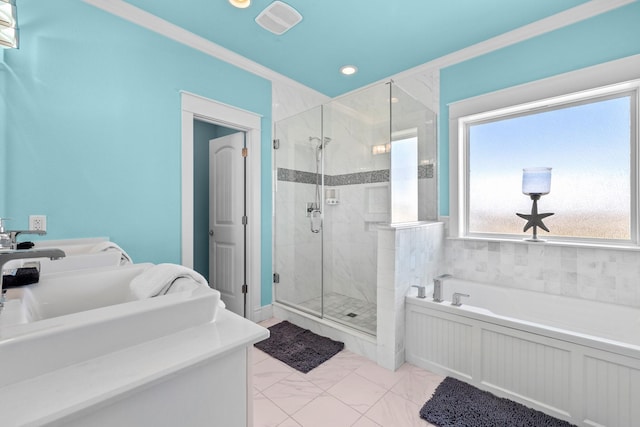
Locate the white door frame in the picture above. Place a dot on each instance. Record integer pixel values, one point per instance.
(197, 107)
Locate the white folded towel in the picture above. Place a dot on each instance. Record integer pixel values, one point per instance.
(162, 278)
(111, 246)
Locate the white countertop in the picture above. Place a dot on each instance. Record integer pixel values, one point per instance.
(56, 394)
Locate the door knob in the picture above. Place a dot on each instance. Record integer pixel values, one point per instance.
(210, 232)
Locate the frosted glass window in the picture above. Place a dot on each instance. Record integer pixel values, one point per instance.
(404, 180)
(589, 146)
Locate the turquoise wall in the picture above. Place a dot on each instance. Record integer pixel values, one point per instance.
(93, 132)
(607, 37)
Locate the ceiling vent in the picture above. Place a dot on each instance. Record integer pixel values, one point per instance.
(278, 18)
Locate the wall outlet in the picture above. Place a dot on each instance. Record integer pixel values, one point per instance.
(38, 222)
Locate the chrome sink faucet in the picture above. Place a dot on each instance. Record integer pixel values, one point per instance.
(9, 238)
(13, 235)
(437, 287)
(10, 255)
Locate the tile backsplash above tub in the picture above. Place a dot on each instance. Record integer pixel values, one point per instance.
(604, 274)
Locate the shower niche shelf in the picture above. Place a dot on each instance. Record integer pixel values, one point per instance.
(376, 203)
(332, 196)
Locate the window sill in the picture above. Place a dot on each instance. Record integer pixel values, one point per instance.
(556, 243)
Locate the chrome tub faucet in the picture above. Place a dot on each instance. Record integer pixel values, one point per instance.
(455, 300)
(437, 287)
(421, 290)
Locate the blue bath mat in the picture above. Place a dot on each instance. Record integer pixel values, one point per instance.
(297, 347)
(458, 404)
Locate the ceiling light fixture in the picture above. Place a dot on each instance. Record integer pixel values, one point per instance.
(348, 70)
(240, 4)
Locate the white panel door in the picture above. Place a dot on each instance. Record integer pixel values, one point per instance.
(226, 199)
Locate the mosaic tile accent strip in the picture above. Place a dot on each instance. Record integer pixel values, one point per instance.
(357, 178)
(292, 175)
(369, 177)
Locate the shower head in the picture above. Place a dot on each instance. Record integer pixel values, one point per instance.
(321, 143)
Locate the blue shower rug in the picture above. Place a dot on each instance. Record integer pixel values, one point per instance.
(458, 404)
(297, 347)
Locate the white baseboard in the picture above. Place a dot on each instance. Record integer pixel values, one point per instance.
(262, 313)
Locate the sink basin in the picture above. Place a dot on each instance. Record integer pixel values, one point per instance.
(80, 262)
(72, 246)
(80, 255)
(73, 316)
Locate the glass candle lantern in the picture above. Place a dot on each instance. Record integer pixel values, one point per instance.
(536, 181)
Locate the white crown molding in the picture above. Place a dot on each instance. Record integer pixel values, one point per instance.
(151, 22)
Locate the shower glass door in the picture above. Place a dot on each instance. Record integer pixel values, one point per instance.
(343, 170)
(298, 211)
(356, 166)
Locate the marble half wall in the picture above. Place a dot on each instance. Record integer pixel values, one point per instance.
(410, 254)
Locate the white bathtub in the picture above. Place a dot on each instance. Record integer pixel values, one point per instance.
(574, 359)
(71, 317)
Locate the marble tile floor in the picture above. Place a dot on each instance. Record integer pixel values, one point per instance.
(346, 390)
(341, 308)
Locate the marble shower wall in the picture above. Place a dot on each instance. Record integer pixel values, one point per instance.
(353, 172)
(290, 98)
(360, 181)
(354, 123)
(349, 241)
(423, 84)
(350, 248)
(350, 238)
(350, 233)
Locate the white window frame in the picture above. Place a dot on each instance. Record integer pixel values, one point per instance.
(616, 77)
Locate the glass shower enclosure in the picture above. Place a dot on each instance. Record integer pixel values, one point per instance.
(342, 170)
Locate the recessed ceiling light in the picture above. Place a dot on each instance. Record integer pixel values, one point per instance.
(240, 4)
(348, 70)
